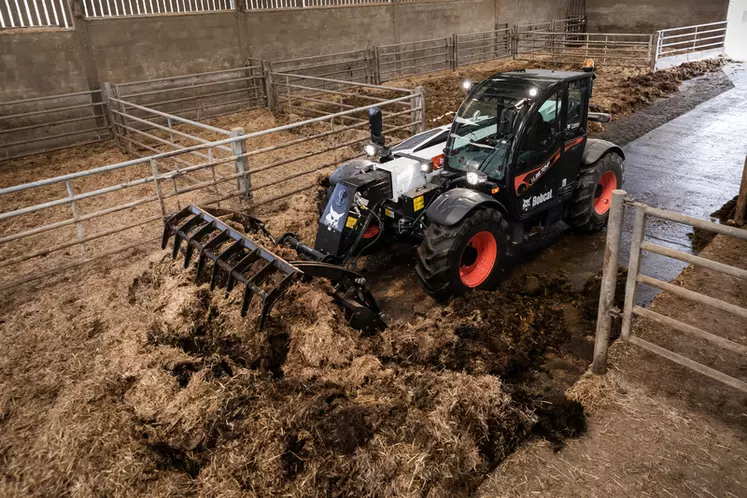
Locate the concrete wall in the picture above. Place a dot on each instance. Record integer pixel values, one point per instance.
(148, 47)
(525, 12)
(41, 63)
(285, 34)
(647, 16)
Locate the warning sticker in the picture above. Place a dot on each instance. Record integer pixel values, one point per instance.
(351, 222)
(418, 203)
(389, 213)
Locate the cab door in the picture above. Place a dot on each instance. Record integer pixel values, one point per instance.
(575, 124)
(536, 178)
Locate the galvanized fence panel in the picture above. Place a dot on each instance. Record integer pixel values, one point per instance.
(642, 213)
(126, 8)
(611, 49)
(677, 45)
(569, 25)
(45, 124)
(407, 59)
(35, 14)
(200, 95)
(356, 65)
(479, 47)
(55, 224)
(309, 95)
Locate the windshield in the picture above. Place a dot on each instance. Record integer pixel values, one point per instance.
(481, 134)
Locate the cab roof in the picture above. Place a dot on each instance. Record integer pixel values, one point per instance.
(516, 84)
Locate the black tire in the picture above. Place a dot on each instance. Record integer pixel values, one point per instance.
(582, 214)
(442, 252)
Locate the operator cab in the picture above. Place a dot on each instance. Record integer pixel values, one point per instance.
(521, 135)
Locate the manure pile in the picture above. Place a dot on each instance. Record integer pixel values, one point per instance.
(169, 391)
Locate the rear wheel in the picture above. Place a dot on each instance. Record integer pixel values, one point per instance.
(453, 260)
(593, 195)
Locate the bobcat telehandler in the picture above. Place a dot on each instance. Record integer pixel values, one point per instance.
(515, 158)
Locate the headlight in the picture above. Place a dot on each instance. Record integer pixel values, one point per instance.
(370, 150)
(466, 85)
(473, 177)
(425, 167)
(532, 92)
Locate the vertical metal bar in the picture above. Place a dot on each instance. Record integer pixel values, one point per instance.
(108, 7)
(609, 281)
(417, 106)
(454, 51)
(238, 149)
(10, 15)
(2, 19)
(154, 172)
(695, 39)
(20, 17)
(152, 10)
(634, 268)
(101, 8)
(28, 13)
(79, 232)
(36, 9)
(63, 8)
(171, 133)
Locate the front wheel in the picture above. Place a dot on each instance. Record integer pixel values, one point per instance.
(592, 198)
(469, 255)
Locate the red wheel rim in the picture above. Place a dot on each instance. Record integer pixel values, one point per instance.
(603, 194)
(371, 232)
(478, 259)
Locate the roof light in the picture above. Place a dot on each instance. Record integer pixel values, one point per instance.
(466, 85)
(532, 92)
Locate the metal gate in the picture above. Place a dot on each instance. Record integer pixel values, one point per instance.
(642, 213)
(610, 49)
(677, 45)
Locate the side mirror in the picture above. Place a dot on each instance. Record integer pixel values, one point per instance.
(376, 126)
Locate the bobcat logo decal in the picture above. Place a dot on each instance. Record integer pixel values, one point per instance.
(332, 219)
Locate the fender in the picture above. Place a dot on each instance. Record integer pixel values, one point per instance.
(350, 169)
(453, 206)
(596, 148)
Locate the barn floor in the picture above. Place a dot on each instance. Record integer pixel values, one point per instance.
(125, 377)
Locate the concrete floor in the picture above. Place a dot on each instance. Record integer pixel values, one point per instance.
(690, 165)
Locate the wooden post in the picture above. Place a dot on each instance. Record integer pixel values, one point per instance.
(269, 87)
(609, 282)
(238, 149)
(741, 212)
(417, 104)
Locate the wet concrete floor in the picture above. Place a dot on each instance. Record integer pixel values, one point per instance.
(691, 164)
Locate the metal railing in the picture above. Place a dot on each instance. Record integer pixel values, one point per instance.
(199, 95)
(642, 213)
(480, 47)
(612, 49)
(310, 95)
(406, 59)
(35, 14)
(45, 124)
(677, 45)
(58, 223)
(124, 8)
(356, 65)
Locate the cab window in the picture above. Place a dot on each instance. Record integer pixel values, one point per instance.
(576, 103)
(539, 141)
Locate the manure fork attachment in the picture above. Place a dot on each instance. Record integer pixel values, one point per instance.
(261, 271)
